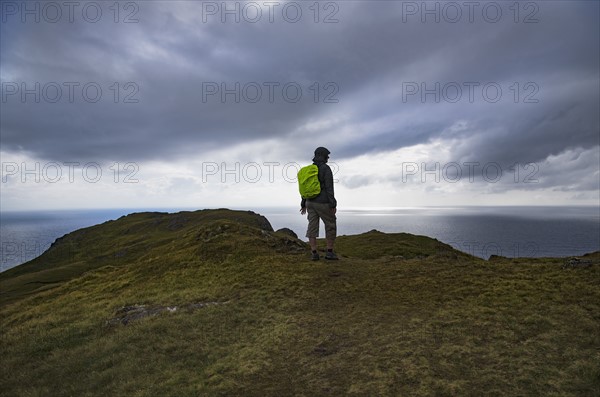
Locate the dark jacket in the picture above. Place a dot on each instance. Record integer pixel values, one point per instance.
(326, 179)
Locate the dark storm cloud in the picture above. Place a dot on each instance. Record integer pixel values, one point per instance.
(373, 54)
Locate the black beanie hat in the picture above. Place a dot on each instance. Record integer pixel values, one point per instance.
(321, 152)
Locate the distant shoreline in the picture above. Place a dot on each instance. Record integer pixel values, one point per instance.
(511, 231)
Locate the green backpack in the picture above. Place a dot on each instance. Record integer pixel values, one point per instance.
(308, 181)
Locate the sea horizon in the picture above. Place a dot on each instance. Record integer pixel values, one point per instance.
(482, 231)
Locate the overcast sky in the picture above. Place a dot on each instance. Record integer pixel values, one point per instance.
(201, 104)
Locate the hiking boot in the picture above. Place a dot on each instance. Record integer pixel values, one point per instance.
(330, 255)
(315, 256)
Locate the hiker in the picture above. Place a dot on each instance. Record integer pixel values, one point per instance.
(322, 207)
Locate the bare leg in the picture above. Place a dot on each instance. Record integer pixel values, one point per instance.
(313, 243)
(330, 243)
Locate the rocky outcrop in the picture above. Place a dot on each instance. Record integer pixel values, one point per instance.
(126, 314)
(287, 231)
(576, 262)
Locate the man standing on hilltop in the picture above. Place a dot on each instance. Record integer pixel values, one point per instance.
(323, 206)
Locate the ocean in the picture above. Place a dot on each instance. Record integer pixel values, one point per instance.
(479, 231)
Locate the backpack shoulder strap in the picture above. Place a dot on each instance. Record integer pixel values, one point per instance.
(321, 174)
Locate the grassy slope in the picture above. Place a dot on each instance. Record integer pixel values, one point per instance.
(398, 315)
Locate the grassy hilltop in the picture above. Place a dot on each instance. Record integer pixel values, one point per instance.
(215, 303)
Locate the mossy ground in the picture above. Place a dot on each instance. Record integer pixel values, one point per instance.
(398, 315)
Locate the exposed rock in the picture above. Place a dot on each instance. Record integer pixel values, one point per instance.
(287, 231)
(127, 314)
(211, 231)
(262, 221)
(576, 262)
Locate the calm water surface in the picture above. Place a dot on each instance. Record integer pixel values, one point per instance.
(480, 231)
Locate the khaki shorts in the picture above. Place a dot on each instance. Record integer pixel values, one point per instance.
(317, 211)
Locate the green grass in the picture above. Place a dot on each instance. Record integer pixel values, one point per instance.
(397, 315)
